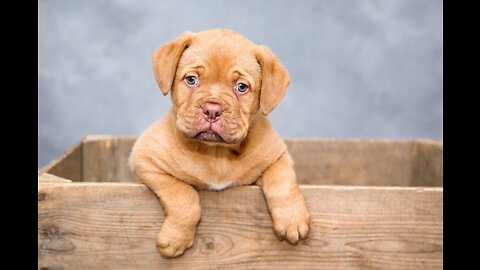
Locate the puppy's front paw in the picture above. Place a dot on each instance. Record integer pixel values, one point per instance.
(172, 241)
(291, 222)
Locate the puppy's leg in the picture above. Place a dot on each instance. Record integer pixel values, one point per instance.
(285, 202)
(182, 209)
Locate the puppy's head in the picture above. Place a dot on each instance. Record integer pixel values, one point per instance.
(219, 81)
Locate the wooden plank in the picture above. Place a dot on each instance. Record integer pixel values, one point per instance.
(428, 164)
(105, 159)
(352, 162)
(68, 165)
(113, 226)
(317, 161)
(123, 147)
(50, 178)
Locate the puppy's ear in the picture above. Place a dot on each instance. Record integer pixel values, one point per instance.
(275, 79)
(165, 60)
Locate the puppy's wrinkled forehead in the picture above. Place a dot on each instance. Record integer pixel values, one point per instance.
(219, 56)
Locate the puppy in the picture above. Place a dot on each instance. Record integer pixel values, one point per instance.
(217, 135)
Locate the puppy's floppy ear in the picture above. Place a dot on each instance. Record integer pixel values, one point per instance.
(275, 79)
(165, 60)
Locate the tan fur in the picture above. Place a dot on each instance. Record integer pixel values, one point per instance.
(170, 160)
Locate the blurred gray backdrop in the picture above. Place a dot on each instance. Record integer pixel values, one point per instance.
(360, 69)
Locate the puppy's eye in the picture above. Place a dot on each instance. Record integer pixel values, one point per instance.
(241, 88)
(191, 80)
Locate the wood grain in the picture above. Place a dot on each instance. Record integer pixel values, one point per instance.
(50, 178)
(105, 159)
(428, 164)
(317, 161)
(68, 165)
(113, 225)
(352, 162)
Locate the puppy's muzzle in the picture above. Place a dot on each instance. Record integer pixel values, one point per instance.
(210, 127)
(212, 111)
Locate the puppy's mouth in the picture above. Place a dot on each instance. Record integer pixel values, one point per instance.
(209, 136)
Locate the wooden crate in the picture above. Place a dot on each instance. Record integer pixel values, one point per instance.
(375, 204)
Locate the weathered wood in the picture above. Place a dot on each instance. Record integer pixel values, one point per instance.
(50, 178)
(352, 162)
(317, 161)
(105, 159)
(113, 226)
(68, 165)
(428, 164)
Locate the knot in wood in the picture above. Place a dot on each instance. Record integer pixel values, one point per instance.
(210, 245)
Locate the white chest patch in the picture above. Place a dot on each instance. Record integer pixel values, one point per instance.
(222, 186)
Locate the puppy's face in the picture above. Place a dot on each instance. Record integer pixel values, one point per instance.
(219, 82)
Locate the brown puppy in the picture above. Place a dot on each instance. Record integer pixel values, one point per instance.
(216, 135)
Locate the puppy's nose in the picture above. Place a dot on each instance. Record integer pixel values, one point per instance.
(212, 111)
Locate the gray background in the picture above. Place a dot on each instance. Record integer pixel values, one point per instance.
(360, 69)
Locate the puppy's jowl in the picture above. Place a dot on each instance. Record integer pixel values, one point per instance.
(217, 135)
